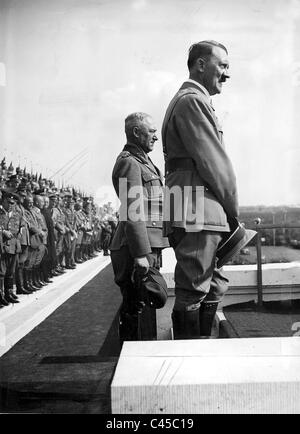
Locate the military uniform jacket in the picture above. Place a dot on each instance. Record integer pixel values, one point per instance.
(80, 220)
(10, 222)
(59, 219)
(192, 131)
(143, 233)
(41, 224)
(24, 235)
(34, 229)
(70, 218)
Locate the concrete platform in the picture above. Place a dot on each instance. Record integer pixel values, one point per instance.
(208, 376)
(18, 320)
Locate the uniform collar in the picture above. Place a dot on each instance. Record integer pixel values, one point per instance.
(141, 156)
(204, 90)
(136, 151)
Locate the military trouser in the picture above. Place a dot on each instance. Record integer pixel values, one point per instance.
(40, 253)
(23, 256)
(137, 321)
(31, 258)
(70, 244)
(199, 285)
(8, 264)
(59, 247)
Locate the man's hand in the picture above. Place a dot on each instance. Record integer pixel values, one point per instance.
(142, 265)
(7, 234)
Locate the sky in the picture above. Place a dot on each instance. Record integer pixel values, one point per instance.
(72, 70)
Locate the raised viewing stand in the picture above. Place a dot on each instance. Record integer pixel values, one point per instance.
(224, 376)
(254, 375)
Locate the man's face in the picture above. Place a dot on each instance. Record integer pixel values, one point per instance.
(147, 134)
(46, 202)
(69, 202)
(53, 201)
(28, 202)
(8, 204)
(39, 202)
(216, 71)
(14, 183)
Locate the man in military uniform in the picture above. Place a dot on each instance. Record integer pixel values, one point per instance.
(88, 233)
(58, 218)
(196, 158)
(50, 259)
(21, 277)
(71, 233)
(106, 236)
(80, 228)
(38, 202)
(137, 242)
(36, 247)
(10, 223)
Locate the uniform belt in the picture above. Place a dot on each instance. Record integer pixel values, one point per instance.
(180, 164)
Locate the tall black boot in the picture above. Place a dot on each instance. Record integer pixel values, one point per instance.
(26, 281)
(128, 327)
(35, 279)
(20, 281)
(78, 260)
(3, 300)
(40, 276)
(8, 290)
(31, 280)
(84, 252)
(45, 272)
(207, 314)
(186, 324)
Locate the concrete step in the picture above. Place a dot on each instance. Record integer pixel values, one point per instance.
(222, 376)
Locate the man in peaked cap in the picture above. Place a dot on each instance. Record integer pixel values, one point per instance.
(24, 237)
(38, 201)
(10, 223)
(71, 233)
(35, 244)
(138, 241)
(58, 217)
(80, 229)
(50, 261)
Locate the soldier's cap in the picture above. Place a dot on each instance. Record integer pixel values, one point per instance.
(14, 178)
(9, 195)
(52, 194)
(155, 288)
(232, 243)
(21, 192)
(41, 192)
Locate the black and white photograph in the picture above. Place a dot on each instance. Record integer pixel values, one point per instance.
(149, 209)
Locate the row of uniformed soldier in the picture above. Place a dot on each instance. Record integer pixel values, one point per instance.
(41, 235)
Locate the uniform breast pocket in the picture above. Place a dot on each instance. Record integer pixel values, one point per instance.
(152, 184)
